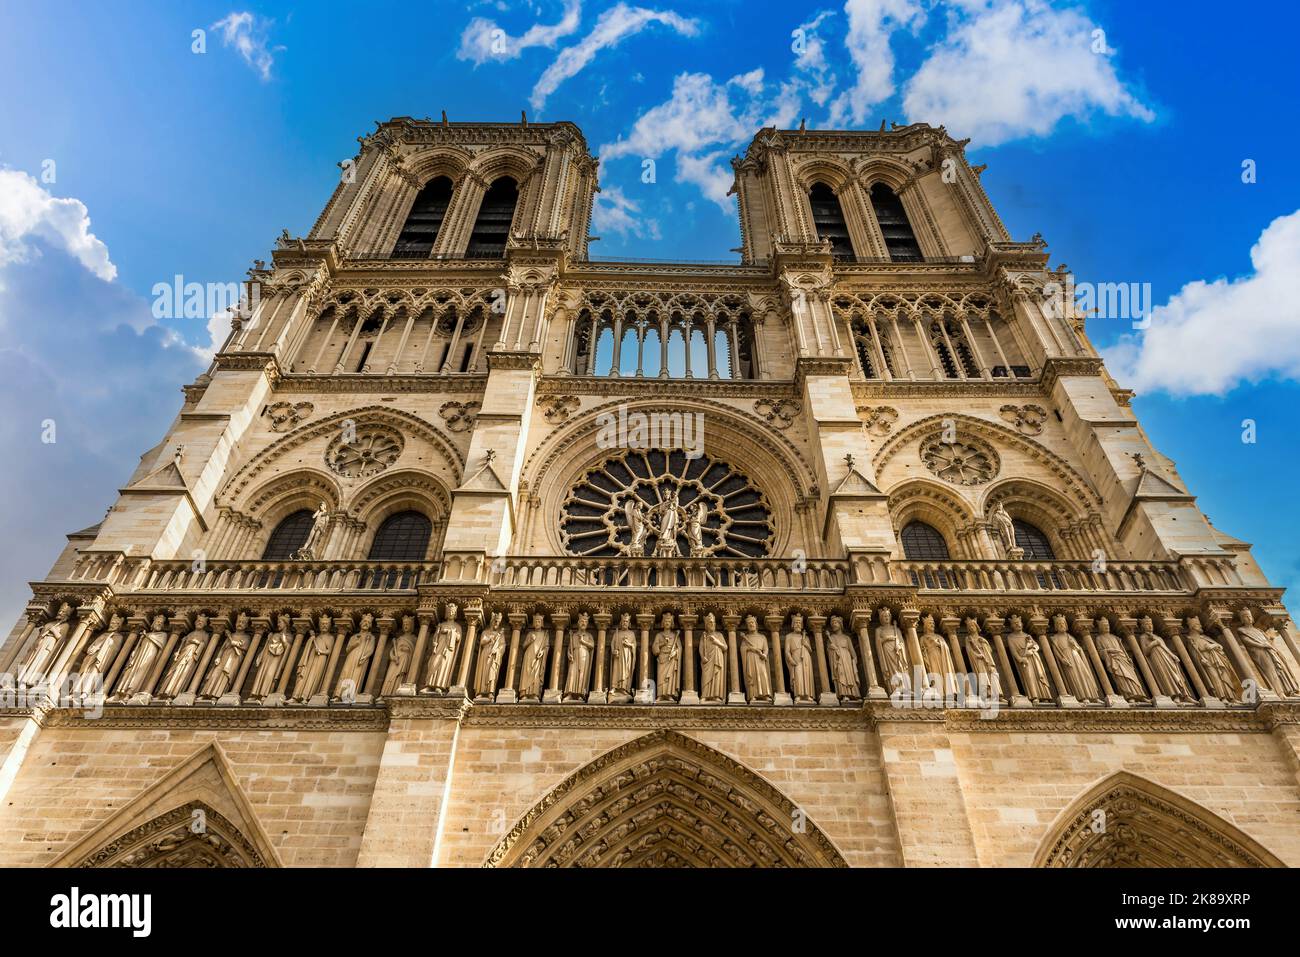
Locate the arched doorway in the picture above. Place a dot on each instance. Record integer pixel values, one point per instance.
(664, 800)
(1127, 821)
(190, 835)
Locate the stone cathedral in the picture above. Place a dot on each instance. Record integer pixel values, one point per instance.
(470, 549)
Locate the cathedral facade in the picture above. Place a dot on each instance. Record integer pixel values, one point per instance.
(471, 550)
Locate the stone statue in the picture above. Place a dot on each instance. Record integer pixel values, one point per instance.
(622, 657)
(491, 649)
(399, 658)
(48, 639)
(581, 649)
(937, 658)
(358, 651)
(638, 525)
(225, 668)
(1165, 669)
(185, 659)
(753, 653)
(1029, 661)
(843, 661)
(980, 654)
(271, 658)
(532, 675)
(139, 668)
(713, 661)
(1220, 679)
(697, 516)
(442, 662)
(94, 662)
(1117, 661)
(892, 650)
(668, 658)
(798, 662)
(1005, 528)
(310, 673)
(667, 516)
(320, 520)
(1076, 672)
(1270, 664)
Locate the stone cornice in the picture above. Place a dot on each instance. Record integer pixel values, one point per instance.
(996, 388)
(653, 385)
(384, 384)
(672, 717)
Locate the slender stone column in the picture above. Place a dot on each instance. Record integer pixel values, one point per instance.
(232, 694)
(90, 618)
(599, 693)
(734, 693)
(342, 625)
(372, 686)
(553, 693)
(1083, 626)
(861, 622)
(949, 625)
(1174, 632)
(17, 647)
(645, 692)
(1038, 628)
(1127, 628)
(826, 694)
(135, 625)
(468, 646)
(1245, 664)
(415, 670)
(508, 694)
(1011, 687)
(908, 617)
(779, 695)
(178, 627)
(300, 628)
(690, 694)
(220, 626)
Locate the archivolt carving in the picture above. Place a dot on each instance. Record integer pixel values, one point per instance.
(409, 486)
(664, 800)
(1128, 821)
(299, 488)
(404, 422)
(191, 835)
(1072, 482)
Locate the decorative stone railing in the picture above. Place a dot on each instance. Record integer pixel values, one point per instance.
(333, 576)
(759, 574)
(1054, 576)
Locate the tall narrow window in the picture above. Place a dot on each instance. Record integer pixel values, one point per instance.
(1033, 541)
(492, 228)
(828, 218)
(289, 536)
(403, 537)
(922, 542)
(425, 219)
(900, 241)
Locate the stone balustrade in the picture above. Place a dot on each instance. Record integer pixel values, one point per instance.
(1017, 576)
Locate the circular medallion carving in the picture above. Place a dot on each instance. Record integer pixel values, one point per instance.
(965, 461)
(367, 451)
(662, 504)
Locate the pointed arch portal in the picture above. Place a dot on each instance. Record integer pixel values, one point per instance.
(665, 800)
(1127, 821)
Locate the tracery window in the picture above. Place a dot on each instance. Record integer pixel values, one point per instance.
(403, 537)
(492, 226)
(954, 351)
(900, 240)
(289, 536)
(420, 231)
(1033, 541)
(670, 344)
(874, 349)
(922, 542)
(658, 503)
(828, 218)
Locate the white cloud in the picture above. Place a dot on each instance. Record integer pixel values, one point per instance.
(1012, 68)
(871, 25)
(614, 212)
(250, 36)
(612, 27)
(1213, 336)
(484, 40)
(27, 210)
(700, 122)
(810, 59)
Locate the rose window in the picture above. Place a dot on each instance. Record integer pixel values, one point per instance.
(965, 462)
(662, 504)
(369, 450)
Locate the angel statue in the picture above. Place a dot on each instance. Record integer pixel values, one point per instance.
(637, 524)
(697, 515)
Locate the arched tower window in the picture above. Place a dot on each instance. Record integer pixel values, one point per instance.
(289, 536)
(1033, 541)
(403, 537)
(425, 219)
(828, 218)
(922, 542)
(492, 227)
(867, 337)
(947, 337)
(900, 241)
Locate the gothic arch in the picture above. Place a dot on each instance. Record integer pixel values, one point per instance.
(448, 161)
(290, 491)
(1038, 504)
(824, 170)
(404, 422)
(767, 458)
(664, 800)
(931, 502)
(195, 815)
(1142, 824)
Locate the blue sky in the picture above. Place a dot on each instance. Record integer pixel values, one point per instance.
(127, 158)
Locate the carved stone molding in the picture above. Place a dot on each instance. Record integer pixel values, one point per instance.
(460, 416)
(170, 840)
(879, 420)
(287, 415)
(778, 413)
(368, 452)
(556, 409)
(1027, 419)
